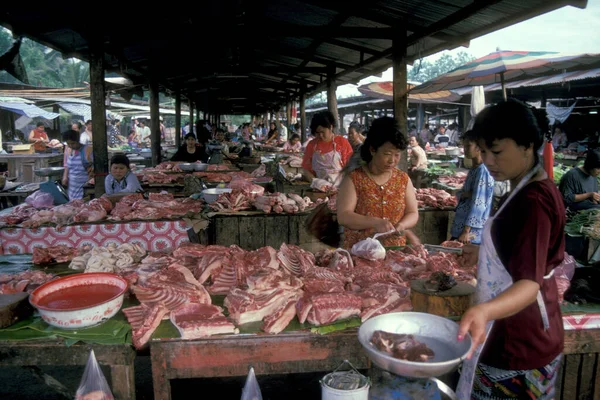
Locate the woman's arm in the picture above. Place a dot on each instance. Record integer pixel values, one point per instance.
(346, 204)
(108, 187)
(480, 203)
(31, 138)
(411, 212)
(514, 299)
(133, 184)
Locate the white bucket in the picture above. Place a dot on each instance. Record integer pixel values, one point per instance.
(330, 393)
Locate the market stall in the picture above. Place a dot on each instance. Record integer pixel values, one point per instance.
(22, 166)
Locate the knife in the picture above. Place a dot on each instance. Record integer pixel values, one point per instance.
(434, 248)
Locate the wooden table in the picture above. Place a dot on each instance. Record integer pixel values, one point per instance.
(23, 165)
(284, 353)
(119, 358)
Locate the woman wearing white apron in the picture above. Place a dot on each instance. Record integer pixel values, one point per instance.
(517, 321)
(78, 164)
(327, 154)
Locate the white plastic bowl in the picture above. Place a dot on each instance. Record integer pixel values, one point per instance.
(211, 195)
(80, 317)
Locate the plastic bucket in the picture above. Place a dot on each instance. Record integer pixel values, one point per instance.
(345, 385)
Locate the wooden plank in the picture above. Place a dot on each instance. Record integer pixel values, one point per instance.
(596, 394)
(296, 223)
(252, 232)
(276, 230)
(571, 374)
(560, 380)
(123, 381)
(582, 341)
(226, 231)
(160, 380)
(586, 376)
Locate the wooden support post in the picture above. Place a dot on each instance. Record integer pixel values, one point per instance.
(97, 99)
(178, 119)
(341, 123)
(288, 114)
(191, 107)
(400, 87)
(331, 96)
(154, 122)
(303, 113)
(56, 121)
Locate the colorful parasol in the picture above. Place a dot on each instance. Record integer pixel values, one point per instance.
(506, 66)
(385, 90)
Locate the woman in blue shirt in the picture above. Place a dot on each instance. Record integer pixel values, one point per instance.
(474, 199)
(121, 179)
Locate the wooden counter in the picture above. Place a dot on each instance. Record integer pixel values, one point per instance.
(22, 165)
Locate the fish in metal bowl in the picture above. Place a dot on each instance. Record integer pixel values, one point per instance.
(439, 350)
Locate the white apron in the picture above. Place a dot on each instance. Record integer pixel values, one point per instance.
(492, 279)
(327, 166)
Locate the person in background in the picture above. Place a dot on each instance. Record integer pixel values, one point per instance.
(328, 153)
(163, 131)
(39, 138)
(559, 139)
(517, 316)
(133, 139)
(273, 135)
(412, 130)
(425, 135)
(76, 126)
(452, 133)
(579, 186)
(283, 132)
(418, 158)
(355, 136)
(143, 133)
(85, 137)
(293, 145)
(190, 151)
(378, 197)
(114, 132)
(78, 163)
(121, 179)
(441, 138)
(474, 199)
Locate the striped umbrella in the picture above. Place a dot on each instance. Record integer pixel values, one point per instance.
(506, 66)
(385, 90)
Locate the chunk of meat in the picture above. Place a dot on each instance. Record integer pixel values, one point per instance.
(401, 346)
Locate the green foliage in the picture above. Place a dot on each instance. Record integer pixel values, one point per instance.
(423, 71)
(45, 67)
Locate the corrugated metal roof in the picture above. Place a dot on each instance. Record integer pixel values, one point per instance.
(291, 42)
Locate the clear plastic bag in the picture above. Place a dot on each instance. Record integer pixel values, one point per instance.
(251, 391)
(563, 275)
(93, 384)
(247, 187)
(370, 248)
(40, 199)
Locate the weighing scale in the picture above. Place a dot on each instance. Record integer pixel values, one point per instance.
(53, 185)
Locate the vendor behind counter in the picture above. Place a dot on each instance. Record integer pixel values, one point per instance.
(579, 186)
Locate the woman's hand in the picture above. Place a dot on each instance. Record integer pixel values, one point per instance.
(383, 225)
(65, 181)
(595, 197)
(464, 237)
(412, 238)
(474, 321)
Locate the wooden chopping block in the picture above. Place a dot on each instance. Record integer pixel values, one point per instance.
(450, 303)
(13, 308)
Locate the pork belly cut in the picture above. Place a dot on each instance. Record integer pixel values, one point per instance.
(397, 301)
(281, 318)
(267, 278)
(179, 279)
(326, 308)
(144, 320)
(312, 286)
(228, 278)
(247, 307)
(265, 257)
(189, 249)
(168, 296)
(295, 259)
(194, 321)
(210, 265)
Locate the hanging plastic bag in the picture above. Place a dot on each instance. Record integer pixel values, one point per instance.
(251, 391)
(563, 275)
(40, 199)
(370, 248)
(93, 384)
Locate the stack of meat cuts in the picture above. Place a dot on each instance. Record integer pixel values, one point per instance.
(54, 254)
(457, 180)
(280, 203)
(20, 213)
(435, 198)
(23, 282)
(160, 177)
(158, 206)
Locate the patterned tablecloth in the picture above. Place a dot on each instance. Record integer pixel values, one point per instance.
(153, 236)
(581, 321)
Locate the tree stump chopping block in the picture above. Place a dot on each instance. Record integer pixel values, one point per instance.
(450, 303)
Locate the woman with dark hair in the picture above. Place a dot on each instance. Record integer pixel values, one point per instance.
(293, 145)
(121, 179)
(579, 186)
(272, 135)
(516, 326)
(78, 163)
(328, 153)
(190, 151)
(378, 197)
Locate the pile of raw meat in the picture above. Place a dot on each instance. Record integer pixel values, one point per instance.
(272, 286)
(26, 281)
(158, 206)
(249, 196)
(435, 198)
(456, 181)
(54, 254)
(401, 346)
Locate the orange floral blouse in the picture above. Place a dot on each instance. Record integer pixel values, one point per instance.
(381, 201)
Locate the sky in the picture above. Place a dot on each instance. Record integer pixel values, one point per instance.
(568, 29)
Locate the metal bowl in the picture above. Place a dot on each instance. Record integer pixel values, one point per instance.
(52, 171)
(66, 313)
(200, 166)
(187, 167)
(211, 195)
(438, 333)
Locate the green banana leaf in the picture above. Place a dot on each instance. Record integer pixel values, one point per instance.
(337, 326)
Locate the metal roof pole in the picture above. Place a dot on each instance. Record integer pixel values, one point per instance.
(154, 121)
(303, 112)
(400, 87)
(191, 107)
(97, 102)
(177, 118)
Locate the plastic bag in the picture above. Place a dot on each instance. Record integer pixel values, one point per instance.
(93, 384)
(370, 248)
(322, 185)
(40, 199)
(251, 391)
(563, 275)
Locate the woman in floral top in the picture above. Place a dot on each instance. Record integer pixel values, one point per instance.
(474, 199)
(378, 197)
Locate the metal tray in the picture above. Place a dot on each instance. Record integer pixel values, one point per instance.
(51, 171)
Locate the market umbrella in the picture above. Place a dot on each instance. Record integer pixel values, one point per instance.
(385, 90)
(506, 66)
